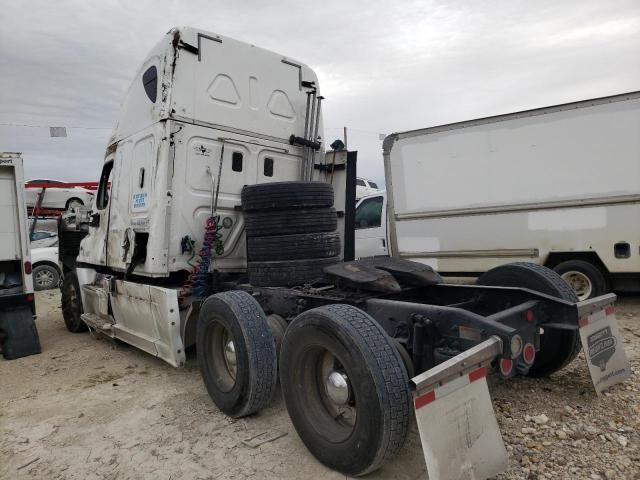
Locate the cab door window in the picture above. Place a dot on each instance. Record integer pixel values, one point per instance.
(102, 198)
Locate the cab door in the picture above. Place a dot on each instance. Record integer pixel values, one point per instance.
(371, 231)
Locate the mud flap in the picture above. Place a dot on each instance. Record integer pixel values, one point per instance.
(602, 343)
(458, 428)
(18, 333)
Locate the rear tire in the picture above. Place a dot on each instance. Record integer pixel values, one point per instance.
(557, 347)
(345, 388)
(236, 353)
(72, 303)
(586, 279)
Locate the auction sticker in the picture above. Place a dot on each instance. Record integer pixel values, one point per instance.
(603, 349)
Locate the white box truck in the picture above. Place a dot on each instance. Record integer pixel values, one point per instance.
(558, 186)
(18, 334)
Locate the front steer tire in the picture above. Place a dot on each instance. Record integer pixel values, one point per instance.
(372, 426)
(72, 303)
(241, 383)
(557, 347)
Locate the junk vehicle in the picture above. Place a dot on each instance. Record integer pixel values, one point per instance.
(50, 194)
(229, 228)
(558, 186)
(18, 333)
(365, 187)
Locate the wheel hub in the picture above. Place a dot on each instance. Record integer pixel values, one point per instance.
(230, 356)
(44, 279)
(579, 282)
(338, 388)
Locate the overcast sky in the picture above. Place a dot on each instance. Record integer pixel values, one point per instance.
(383, 66)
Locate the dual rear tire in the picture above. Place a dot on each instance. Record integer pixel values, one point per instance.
(344, 383)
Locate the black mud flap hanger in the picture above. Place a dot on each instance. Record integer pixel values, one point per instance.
(18, 333)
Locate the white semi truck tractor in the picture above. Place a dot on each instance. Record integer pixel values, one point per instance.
(220, 221)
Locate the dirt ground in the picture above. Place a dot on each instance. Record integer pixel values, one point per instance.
(92, 409)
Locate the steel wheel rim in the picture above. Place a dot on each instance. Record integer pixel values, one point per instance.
(222, 358)
(44, 279)
(328, 396)
(580, 283)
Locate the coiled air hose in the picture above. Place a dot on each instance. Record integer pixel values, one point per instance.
(197, 284)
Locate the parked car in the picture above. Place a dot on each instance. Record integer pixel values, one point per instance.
(41, 239)
(58, 195)
(365, 187)
(46, 270)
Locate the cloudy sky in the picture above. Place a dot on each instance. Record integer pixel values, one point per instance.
(383, 66)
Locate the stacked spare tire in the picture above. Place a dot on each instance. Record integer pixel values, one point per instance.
(291, 232)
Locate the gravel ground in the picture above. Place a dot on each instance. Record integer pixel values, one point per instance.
(92, 409)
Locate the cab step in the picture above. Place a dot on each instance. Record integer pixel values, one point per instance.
(100, 323)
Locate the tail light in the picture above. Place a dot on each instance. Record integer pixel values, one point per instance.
(529, 353)
(27, 268)
(506, 366)
(29, 297)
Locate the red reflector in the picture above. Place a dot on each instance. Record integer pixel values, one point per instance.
(424, 399)
(609, 310)
(529, 315)
(506, 365)
(27, 268)
(30, 297)
(477, 374)
(529, 353)
(583, 322)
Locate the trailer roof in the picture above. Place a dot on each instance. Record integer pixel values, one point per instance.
(388, 141)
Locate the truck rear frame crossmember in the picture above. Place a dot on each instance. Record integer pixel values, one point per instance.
(436, 322)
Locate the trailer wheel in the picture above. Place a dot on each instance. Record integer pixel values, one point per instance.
(586, 279)
(557, 347)
(236, 353)
(72, 303)
(286, 195)
(345, 388)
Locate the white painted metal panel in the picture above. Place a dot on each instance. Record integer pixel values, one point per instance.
(468, 197)
(9, 228)
(575, 153)
(14, 241)
(148, 317)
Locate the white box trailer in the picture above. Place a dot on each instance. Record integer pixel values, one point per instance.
(558, 186)
(18, 335)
